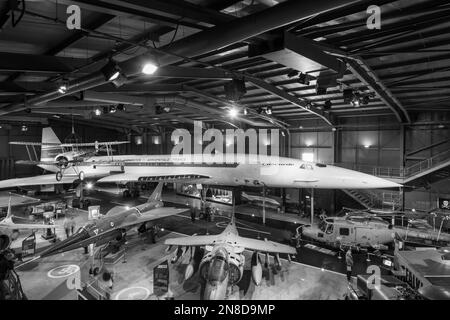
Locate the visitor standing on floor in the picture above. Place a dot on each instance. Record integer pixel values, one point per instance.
(349, 263)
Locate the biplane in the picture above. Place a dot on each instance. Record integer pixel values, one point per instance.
(62, 159)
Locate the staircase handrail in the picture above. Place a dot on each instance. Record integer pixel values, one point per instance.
(400, 172)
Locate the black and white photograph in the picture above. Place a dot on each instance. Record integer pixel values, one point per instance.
(227, 157)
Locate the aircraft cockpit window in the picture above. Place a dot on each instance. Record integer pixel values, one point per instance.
(218, 269)
(329, 229)
(322, 225)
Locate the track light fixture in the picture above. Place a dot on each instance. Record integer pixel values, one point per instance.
(111, 71)
(63, 87)
(98, 112)
(303, 78)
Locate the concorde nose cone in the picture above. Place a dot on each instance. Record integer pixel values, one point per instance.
(357, 180)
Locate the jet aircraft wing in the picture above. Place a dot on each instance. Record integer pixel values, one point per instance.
(193, 241)
(27, 226)
(35, 181)
(264, 245)
(248, 243)
(153, 214)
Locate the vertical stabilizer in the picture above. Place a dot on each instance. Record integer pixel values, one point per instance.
(51, 144)
(156, 195)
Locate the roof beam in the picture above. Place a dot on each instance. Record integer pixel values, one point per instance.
(38, 63)
(305, 105)
(181, 8)
(124, 10)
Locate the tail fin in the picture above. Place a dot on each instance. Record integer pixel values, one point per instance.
(156, 195)
(49, 152)
(8, 214)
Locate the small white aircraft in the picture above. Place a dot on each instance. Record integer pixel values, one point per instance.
(9, 227)
(245, 169)
(259, 200)
(223, 263)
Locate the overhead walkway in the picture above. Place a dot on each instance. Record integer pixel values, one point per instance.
(437, 165)
(407, 174)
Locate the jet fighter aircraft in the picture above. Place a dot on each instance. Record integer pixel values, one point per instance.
(114, 225)
(223, 263)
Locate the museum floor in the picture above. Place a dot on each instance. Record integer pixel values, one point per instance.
(313, 274)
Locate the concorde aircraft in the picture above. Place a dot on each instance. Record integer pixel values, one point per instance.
(244, 169)
(223, 263)
(114, 225)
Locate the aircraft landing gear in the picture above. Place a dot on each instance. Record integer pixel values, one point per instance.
(58, 176)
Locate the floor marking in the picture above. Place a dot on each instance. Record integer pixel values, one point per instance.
(136, 293)
(63, 271)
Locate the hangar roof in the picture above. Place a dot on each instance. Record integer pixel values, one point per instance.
(200, 45)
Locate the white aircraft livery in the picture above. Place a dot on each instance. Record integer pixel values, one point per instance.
(251, 170)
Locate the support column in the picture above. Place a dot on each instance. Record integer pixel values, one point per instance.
(402, 163)
(312, 206)
(264, 204)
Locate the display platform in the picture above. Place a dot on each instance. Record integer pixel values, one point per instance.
(133, 277)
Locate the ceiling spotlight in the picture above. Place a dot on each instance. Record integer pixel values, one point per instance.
(333, 129)
(347, 94)
(24, 128)
(327, 105)
(233, 112)
(112, 109)
(166, 109)
(62, 88)
(245, 111)
(366, 146)
(149, 67)
(355, 102)
(97, 111)
(283, 134)
(269, 110)
(303, 78)
(111, 71)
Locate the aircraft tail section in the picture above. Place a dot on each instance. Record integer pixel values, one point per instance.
(49, 152)
(156, 195)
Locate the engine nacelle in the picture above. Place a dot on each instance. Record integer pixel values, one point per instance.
(237, 262)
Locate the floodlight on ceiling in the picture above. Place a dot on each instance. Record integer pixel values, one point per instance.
(63, 87)
(111, 71)
(233, 112)
(98, 112)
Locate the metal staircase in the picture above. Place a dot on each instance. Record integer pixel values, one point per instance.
(371, 199)
(406, 174)
(437, 165)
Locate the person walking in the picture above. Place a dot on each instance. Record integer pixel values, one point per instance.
(349, 263)
(66, 225)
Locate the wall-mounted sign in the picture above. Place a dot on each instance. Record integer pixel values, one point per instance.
(444, 203)
(94, 212)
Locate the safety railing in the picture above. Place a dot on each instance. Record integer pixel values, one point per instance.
(401, 172)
